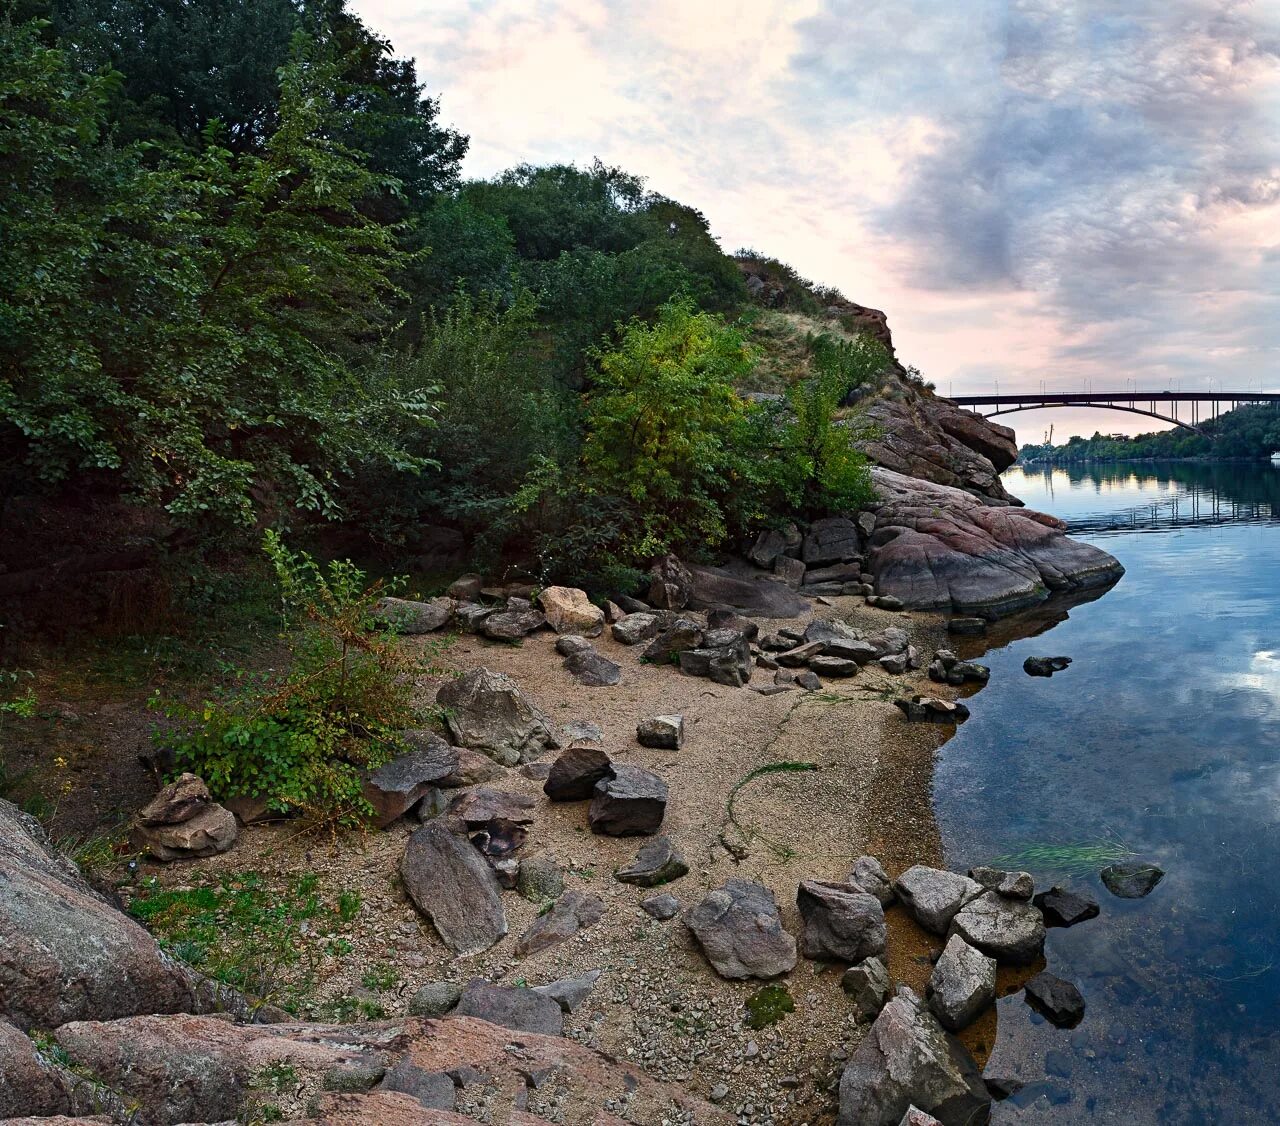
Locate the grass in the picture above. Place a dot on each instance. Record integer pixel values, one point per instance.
(1079, 859)
(267, 941)
(785, 767)
(768, 1006)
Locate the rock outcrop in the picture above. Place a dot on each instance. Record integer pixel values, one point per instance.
(939, 548)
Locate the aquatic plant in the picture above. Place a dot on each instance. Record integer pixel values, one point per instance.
(1078, 859)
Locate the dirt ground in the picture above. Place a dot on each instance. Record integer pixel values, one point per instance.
(658, 1003)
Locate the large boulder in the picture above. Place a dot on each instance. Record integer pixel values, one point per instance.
(67, 954)
(487, 711)
(32, 1084)
(842, 923)
(828, 541)
(413, 617)
(939, 548)
(908, 1059)
(569, 610)
(759, 597)
(962, 985)
(933, 896)
(628, 802)
(452, 884)
(669, 584)
(1011, 930)
(740, 931)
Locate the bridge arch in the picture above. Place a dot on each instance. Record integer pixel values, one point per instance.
(1093, 406)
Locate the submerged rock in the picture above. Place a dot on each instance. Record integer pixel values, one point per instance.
(1063, 908)
(1132, 879)
(1044, 666)
(1057, 1000)
(740, 931)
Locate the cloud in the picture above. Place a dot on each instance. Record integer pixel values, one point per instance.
(1033, 190)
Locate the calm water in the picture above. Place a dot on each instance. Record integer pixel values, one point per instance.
(1164, 738)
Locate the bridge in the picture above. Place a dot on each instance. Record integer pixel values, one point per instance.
(1163, 405)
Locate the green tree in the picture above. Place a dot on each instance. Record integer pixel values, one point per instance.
(666, 431)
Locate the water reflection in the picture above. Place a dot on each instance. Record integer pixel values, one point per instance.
(1162, 737)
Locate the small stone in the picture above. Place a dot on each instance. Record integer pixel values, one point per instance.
(514, 1007)
(1044, 666)
(885, 601)
(868, 987)
(834, 667)
(570, 993)
(572, 643)
(741, 933)
(790, 571)
(1014, 885)
(658, 862)
(933, 896)
(507, 870)
(800, 655)
(661, 907)
(869, 875)
(573, 776)
(809, 681)
(896, 663)
(635, 628)
(359, 1074)
(569, 610)
(535, 771)
(683, 634)
(593, 669)
(179, 801)
(466, 588)
(665, 732)
(206, 832)
(539, 879)
(1057, 1000)
(400, 784)
(1063, 908)
(435, 999)
(1132, 879)
(572, 912)
(632, 801)
(718, 1093)
(927, 709)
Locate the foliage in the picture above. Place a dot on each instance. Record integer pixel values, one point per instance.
(301, 740)
(1248, 432)
(819, 467)
(768, 1005)
(267, 940)
(667, 432)
(186, 327)
(21, 704)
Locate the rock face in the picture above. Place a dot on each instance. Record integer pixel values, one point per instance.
(488, 712)
(629, 802)
(934, 896)
(740, 931)
(32, 1085)
(569, 610)
(1011, 930)
(962, 985)
(572, 912)
(937, 547)
(66, 954)
(452, 884)
(932, 439)
(842, 923)
(908, 1059)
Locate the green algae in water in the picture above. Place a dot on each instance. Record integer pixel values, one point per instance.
(768, 1006)
(1072, 859)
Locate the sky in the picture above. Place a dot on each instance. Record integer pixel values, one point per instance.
(1073, 194)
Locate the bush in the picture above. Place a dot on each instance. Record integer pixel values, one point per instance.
(302, 741)
(668, 434)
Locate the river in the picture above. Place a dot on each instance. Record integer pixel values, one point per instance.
(1162, 739)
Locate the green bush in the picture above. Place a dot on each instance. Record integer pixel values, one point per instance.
(668, 434)
(302, 740)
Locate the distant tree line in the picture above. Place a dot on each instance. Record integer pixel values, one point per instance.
(1248, 433)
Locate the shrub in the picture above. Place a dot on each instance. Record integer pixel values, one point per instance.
(668, 434)
(302, 740)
